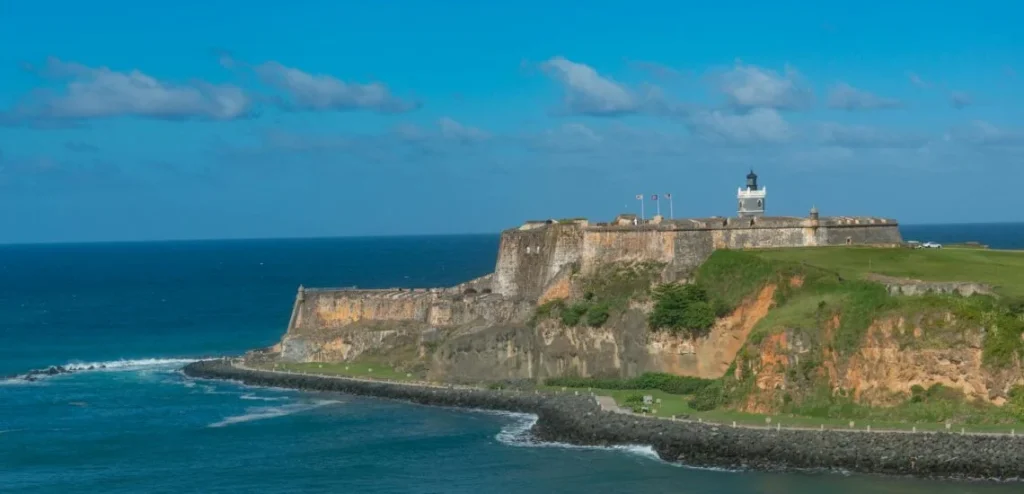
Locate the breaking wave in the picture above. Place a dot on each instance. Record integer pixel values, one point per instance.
(36, 375)
(518, 434)
(127, 364)
(261, 413)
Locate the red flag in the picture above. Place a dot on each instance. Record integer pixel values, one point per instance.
(654, 197)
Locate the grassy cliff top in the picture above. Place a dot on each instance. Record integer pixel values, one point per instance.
(1003, 269)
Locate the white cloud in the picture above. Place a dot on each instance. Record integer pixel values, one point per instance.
(587, 92)
(981, 133)
(861, 136)
(320, 92)
(450, 129)
(761, 125)
(846, 97)
(748, 86)
(101, 92)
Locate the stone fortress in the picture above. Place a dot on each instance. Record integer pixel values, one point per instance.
(537, 260)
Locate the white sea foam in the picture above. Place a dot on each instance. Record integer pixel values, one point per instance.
(252, 397)
(128, 364)
(518, 434)
(145, 366)
(260, 413)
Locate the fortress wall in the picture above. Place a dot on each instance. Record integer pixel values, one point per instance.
(608, 246)
(877, 234)
(535, 274)
(692, 248)
(529, 260)
(329, 309)
(767, 238)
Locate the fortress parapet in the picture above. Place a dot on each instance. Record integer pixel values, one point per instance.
(532, 261)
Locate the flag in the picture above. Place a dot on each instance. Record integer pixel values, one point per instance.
(668, 196)
(639, 197)
(654, 197)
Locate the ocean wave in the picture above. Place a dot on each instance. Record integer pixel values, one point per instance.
(252, 397)
(517, 433)
(262, 413)
(146, 365)
(127, 364)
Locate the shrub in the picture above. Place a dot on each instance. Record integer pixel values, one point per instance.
(550, 308)
(682, 308)
(1003, 341)
(572, 314)
(720, 307)
(597, 315)
(708, 398)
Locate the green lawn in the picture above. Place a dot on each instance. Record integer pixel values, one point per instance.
(1003, 269)
(347, 369)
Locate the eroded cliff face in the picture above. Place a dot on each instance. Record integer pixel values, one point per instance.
(481, 351)
(896, 355)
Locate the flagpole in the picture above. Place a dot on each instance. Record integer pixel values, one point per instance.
(641, 207)
(671, 213)
(657, 204)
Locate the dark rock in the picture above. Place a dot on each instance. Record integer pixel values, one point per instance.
(579, 420)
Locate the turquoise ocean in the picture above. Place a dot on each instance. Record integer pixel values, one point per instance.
(143, 310)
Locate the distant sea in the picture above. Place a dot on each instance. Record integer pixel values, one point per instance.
(145, 309)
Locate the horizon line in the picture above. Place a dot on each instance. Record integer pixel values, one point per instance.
(350, 237)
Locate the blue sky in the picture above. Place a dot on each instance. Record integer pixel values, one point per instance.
(227, 119)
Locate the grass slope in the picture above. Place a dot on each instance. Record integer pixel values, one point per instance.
(823, 287)
(1004, 269)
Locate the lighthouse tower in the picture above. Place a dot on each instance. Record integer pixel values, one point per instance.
(751, 198)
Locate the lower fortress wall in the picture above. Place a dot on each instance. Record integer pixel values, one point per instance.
(331, 309)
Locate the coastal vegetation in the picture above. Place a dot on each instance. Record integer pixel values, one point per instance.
(825, 301)
(606, 292)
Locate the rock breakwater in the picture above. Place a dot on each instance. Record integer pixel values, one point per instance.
(579, 420)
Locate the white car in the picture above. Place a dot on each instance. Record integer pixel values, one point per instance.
(931, 245)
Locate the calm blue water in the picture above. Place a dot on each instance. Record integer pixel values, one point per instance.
(140, 426)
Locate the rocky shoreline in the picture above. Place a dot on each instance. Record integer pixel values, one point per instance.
(579, 420)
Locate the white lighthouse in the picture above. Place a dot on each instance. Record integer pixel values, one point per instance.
(751, 199)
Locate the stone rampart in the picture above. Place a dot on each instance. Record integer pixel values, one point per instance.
(327, 309)
(531, 258)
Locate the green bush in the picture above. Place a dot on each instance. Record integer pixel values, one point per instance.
(720, 307)
(572, 314)
(708, 398)
(597, 315)
(1003, 341)
(549, 309)
(682, 308)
